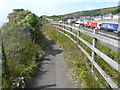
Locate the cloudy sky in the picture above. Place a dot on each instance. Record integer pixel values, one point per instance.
(52, 7)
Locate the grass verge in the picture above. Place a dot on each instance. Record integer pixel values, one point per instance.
(104, 65)
(75, 59)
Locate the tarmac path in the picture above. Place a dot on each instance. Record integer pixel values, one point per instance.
(53, 73)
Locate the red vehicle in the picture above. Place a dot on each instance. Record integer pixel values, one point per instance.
(96, 25)
(85, 24)
(92, 24)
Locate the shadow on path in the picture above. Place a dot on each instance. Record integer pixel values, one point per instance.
(43, 69)
(44, 86)
(51, 50)
(52, 72)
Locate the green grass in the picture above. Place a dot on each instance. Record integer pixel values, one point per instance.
(103, 64)
(73, 59)
(23, 46)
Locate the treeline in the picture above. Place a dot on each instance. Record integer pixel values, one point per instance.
(95, 12)
(54, 17)
(22, 46)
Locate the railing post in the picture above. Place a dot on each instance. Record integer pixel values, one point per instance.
(70, 24)
(70, 30)
(78, 26)
(64, 25)
(60, 24)
(78, 35)
(94, 45)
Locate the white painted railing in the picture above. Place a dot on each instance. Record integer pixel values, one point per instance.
(105, 39)
(95, 51)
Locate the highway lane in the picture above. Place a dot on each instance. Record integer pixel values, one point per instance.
(111, 34)
(110, 46)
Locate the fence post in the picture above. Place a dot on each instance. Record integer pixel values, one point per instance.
(78, 35)
(71, 31)
(60, 24)
(64, 25)
(94, 45)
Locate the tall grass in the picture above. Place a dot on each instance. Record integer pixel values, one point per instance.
(75, 59)
(71, 57)
(23, 44)
(104, 65)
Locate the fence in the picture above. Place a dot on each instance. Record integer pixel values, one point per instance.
(105, 39)
(95, 51)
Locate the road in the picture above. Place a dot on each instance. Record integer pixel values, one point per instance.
(109, 33)
(112, 34)
(53, 73)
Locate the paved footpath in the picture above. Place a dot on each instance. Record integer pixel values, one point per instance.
(53, 73)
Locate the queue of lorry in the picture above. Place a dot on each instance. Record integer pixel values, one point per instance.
(100, 25)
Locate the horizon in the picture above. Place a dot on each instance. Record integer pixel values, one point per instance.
(55, 7)
(89, 10)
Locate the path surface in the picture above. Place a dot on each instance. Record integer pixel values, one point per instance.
(53, 73)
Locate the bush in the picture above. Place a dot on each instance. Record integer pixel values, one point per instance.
(22, 42)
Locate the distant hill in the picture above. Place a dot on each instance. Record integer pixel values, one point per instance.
(95, 12)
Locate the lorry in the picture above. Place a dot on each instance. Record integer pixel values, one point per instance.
(110, 26)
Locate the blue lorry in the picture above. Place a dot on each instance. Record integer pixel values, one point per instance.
(110, 26)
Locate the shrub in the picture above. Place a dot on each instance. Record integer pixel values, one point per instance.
(22, 42)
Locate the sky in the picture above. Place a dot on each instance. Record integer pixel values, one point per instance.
(52, 7)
